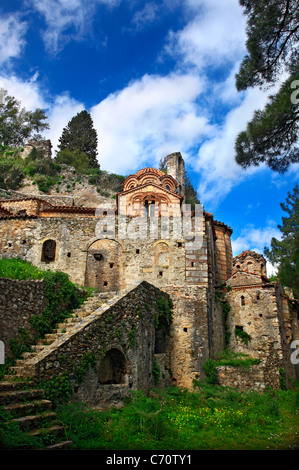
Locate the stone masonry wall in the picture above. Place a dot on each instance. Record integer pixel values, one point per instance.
(160, 260)
(19, 301)
(125, 330)
(189, 333)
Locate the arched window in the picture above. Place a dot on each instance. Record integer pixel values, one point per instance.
(149, 206)
(48, 251)
(113, 368)
(242, 300)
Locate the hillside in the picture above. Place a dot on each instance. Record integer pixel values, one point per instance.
(23, 173)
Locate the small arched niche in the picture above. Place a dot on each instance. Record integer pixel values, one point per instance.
(48, 251)
(113, 368)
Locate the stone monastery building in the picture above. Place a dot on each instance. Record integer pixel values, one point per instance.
(136, 252)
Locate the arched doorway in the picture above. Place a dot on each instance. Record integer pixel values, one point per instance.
(103, 265)
(48, 251)
(113, 368)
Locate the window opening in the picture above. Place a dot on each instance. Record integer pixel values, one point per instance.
(242, 300)
(48, 251)
(98, 256)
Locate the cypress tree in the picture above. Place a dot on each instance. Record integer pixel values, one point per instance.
(80, 135)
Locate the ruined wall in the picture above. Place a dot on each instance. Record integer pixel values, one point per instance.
(254, 312)
(112, 353)
(189, 333)
(223, 253)
(176, 169)
(19, 301)
(259, 325)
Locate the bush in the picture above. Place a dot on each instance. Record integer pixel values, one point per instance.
(78, 160)
(11, 173)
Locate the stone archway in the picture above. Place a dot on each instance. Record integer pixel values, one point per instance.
(103, 265)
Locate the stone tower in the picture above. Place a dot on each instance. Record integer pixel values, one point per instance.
(176, 169)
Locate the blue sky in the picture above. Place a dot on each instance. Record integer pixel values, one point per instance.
(157, 77)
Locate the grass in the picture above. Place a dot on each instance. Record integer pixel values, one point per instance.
(211, 418)
(16, 268)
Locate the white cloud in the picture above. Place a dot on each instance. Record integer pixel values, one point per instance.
(147, 15)
(214, 36)
(255, 239)
(67, 20)
(216, 164)
(12, 33)
(148, 119)
(27, 92)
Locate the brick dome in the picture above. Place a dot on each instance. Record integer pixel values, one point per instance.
(145, 171)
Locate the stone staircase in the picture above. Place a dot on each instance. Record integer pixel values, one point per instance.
(65, 329)
(28, 408)
(26, 403)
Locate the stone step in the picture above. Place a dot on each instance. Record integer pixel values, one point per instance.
(60, 445)
(17, 396)
(17, 377)
(24, 409)
(48, 338)
(33, 421)
(39, 347)
(8, 386)
(28, 355)
(56, 431)
(16, 371)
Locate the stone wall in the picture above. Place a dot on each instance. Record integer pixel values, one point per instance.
(112, 353)
(189, 333)
(223, 252)
(261, 313)
(256, 377)
(160, 260)
(19, 301)
(244, 380)
(55, 200)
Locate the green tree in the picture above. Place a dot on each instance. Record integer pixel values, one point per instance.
(190, 193)
(80, 135)
(272, 45)
(16, 124)
(285, 252)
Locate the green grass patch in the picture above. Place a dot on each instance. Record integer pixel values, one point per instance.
(16, 268)
(211, 418)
